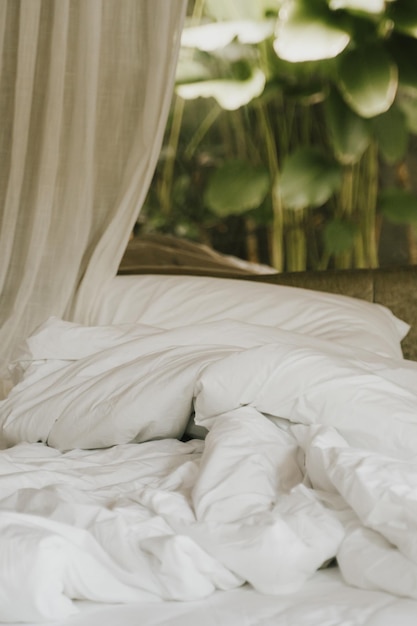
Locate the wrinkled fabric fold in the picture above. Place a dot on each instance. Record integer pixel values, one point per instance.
(310, 455)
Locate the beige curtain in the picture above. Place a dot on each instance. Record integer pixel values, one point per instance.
(85, 87)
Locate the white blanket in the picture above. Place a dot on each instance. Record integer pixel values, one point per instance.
(311, 454)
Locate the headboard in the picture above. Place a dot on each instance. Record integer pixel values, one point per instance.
(395, 288)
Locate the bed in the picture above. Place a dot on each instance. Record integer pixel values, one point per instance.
(217, 447)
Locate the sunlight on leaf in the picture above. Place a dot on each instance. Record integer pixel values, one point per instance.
(309, 178)
(308, 31)
(398, 206)
(368, 80)
(365, 6)
(230, 94)
(209, 37)
(235, 188)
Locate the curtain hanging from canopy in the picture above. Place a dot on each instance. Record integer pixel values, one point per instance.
(85, 88)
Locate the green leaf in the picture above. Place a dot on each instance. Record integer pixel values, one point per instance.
(391, 132)
(349, 133)
(230, 94)
(368, 80)
(398, 206)
(374, 7)
(209, 37)
(339, 236)
(404, 15)
(235, 188)
(308, 178)
(308, 31)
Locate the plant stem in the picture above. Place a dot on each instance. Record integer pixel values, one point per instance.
(201, 131)
(167, 181)
(277, 243)
(368, 212)
(165, 192)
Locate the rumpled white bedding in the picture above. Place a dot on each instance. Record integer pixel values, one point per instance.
(311, 454)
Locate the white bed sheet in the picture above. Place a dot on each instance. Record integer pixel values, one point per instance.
(324, 601)
(49, 483)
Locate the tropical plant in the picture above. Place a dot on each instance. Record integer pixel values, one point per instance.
(304, 98)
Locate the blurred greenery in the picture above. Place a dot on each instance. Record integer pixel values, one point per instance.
(287, 116)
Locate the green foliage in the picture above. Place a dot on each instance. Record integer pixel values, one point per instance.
(349, 133)
(398, 206)
(309, 178)
(309, 31)
(339, 236)
(403, 13)
(368, 79)
(240, 9)
(391, 132)
(286, 108)
(230, 94)
(235, 188)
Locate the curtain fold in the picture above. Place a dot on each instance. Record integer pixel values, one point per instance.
(85, 88)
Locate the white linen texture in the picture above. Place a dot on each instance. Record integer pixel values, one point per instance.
(170, 301)
(310, 454)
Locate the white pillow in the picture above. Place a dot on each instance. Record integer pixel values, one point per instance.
(370, 400)
(93, 387)
(171, 301)
(101, 386)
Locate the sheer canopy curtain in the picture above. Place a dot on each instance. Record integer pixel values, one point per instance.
(85, 88)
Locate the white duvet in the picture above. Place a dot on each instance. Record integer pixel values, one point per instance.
(310, 454)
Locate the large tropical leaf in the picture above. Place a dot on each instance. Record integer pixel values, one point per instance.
(308, 31)
(348, 132)
(368, 80)
(308, 178)
(391, 132)
(398, 206)
(339, 236)
(209, 37)
(230, 94)
(235, 188)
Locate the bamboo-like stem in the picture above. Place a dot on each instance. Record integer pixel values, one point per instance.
(368, 210)
(201, 132)
(296, 248)
(165, 191)
(277, 243)
(240, 134)
(252, 249)
(344, 259)
(358, 193)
